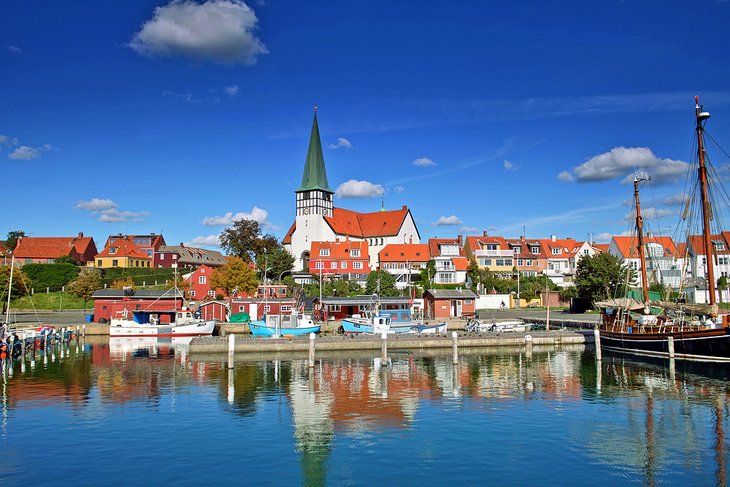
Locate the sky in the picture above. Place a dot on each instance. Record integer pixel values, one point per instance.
(526, 117)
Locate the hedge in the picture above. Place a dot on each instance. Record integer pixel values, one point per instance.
(139, 275)
(53, 276)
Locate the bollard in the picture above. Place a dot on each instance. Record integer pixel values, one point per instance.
(597, 341)
(670, 346)
(231, 349)
(311, 350)
(455, 348)
(384, 348)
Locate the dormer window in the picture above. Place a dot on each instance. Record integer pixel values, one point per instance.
(535, 250)
(556, 251)
(517, 249)
(324, 252)
(355, 252)
(718, 245)
(112, 250)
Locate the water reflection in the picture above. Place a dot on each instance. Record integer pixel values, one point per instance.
(636, 420)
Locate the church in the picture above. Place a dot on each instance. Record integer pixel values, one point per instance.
(318, 220)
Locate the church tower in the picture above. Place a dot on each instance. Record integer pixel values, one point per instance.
(314, 196)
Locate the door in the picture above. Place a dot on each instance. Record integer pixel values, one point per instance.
(456, 308)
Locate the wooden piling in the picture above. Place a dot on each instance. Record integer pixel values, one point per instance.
(670, 346)
(384, 348)
(597, 341)
(231, 349)
(311, 350)
(454, 348)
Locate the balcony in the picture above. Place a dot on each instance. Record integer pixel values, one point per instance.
(493, 253)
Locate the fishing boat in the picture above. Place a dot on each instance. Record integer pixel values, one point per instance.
(389, 320)
(148, 323)
(680, 330)
(296, 324)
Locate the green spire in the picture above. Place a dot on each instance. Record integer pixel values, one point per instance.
(315, 174)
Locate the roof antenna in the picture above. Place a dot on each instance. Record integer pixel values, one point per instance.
(382, 202)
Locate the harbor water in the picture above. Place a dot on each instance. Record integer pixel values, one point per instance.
(137, 413)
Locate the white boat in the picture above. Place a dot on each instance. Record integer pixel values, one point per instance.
(429, 329)
(296, 324)
(147, 324)
(475, 325)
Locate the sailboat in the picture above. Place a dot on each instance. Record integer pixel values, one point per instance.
(676, 331)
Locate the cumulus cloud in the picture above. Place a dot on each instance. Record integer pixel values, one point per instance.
(221, 31)
(25, 153)
(6, 141)
(108, 211)
(677, 199)
(603, 237)
(446, 221)
(510, 166)
(342, 143)
(257, 214)
(231, 90)
(203, 241)
(423, 162)
(650, 213)
(95, 204)
(469, 230)
(359, 189)
(623, 162)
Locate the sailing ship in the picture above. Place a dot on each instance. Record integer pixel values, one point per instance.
(680, 330)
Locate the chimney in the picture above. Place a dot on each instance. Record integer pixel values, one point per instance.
(553, 237)
(410, 241)
(404, 207)
(81, 234)
(484, 233)
(460, 238)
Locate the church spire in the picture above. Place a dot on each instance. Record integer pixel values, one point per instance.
(315, 174)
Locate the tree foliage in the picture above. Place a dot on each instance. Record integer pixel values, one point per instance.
(333, 287)
(387, 284)
(19, 287)
(12, 239)
(243, 239)
(279, 262)
(53, 276)
(602, 276)
(125, 282)
(427, 274)
(235, 275)
(86, 283)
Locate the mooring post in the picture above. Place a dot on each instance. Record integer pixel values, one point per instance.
(670, 346)
(528, 346)
(455, 348)
(231, 349)
(311, 350)
(384, 348)
(83, 330)
(597, 341)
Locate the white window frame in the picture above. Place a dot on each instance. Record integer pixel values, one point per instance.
(324, 252)
(202, 279)
(355, 253)
(357, 265)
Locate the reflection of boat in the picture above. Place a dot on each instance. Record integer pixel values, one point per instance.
(287, 325)
(671, 333)
(147, 324)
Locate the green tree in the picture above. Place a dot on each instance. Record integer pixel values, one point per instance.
(235, 275)
(280, 261)
(427, 274)
(602, 276)
(12, 239)
(721, 285)
(19, 287)
(86, 283)
(387, 284)
(125, 282)
(243, 239)
(472, 271)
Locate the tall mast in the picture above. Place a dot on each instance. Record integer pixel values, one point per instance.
(640, 231)
(701, 116)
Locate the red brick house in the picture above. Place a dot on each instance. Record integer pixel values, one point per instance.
(449, 303)
(348, 258)
(45, 250)
(110, 303)
(198, 284)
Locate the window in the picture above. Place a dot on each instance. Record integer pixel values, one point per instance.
(333, 265)
(240, 308)
(556, 251)
(202, 279)
(98, 263)
(324, 252)
(334, 308)
(343, 265)
(115, 263)
(535, 250)
(162, 256)
(503, 262)
(191, 293)
(319, 265)
(267, 308)
(357, 265)
(492, 247)
(285, 308)
(174, 256)
(355, 252)
(520, 262)
(517, 249)
(112, 250)
(211, 293)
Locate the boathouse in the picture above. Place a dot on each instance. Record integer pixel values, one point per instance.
(111, 303)
(341, 307)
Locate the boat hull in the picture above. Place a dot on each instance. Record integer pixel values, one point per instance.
(429, 329)
(258, 329)
(204, 328)
(355, 326)
(712, 345)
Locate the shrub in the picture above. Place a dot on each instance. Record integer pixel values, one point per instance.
(53, 276)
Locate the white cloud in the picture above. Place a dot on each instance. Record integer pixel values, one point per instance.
(469, 230)
(95, 204)
(6, 141)
(359, 189)
(423, 162)
(399, 189)
(342, 143)
(256, 214)
(445, 221)
(203, 241)
(222, 31)
(603, 237)
(115, 216)
(25, 153)
(624, 162)
(231, 90)
(675, 199)
(510, 166)
(650, 213)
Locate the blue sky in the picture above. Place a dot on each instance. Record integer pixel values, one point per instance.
(176, 117)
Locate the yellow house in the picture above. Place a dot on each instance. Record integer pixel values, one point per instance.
(491, 253)
(121, 251)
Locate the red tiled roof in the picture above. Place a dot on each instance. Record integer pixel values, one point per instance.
(627, 245)
(51, 247)
(433, 245)
(405, 253)
(287, 238)
(697, 244)
(460, 263)
(602, 247)
(340, 250)
(125, 248)
(364, 225)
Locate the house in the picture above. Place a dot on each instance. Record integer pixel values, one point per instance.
(663, 261)
(347, 259)
(492, 253)
(198, 284)
(440, 304)
(45, 250)
(122, 251)
(112, 303)
(186, 257)
(697, 256)
(451, 264)
(317, 220)
(529, 257)
(405, 262)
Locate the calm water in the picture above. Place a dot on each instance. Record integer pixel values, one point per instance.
(110, 414)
